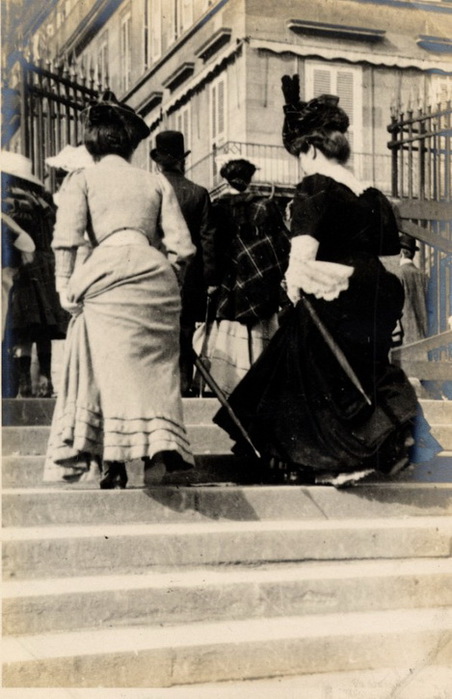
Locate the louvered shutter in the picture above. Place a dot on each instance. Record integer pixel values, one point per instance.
(346, 83)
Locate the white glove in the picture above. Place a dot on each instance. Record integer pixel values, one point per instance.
(302, 248)
(322, 279)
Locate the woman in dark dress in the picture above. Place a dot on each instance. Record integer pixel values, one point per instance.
(323, 398)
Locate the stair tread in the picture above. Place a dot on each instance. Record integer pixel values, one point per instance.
(213, 527)
(228, 575)
(135, 639)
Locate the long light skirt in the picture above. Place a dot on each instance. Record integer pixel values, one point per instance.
(119, 397)
(233, 347)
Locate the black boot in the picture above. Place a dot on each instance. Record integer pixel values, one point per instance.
(23, 365)
(45, 389)
(114, 476)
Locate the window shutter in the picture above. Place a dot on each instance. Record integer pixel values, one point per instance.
(321, 82)
(345, 92)
(346, 83)
(220, 99)
(187, 14)
(169, 21)
(213, 111)
(156, 29)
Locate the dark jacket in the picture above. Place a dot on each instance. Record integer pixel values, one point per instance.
(202, 271)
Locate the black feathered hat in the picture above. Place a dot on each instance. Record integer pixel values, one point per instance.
(302, 118)
(107, 108)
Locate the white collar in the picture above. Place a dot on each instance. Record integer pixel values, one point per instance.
(339, 173)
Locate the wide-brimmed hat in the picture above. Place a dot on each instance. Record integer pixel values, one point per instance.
(71, 158)
(101, 111)
(169, 144)
(19, 166)
(302, 118)
(407, 242)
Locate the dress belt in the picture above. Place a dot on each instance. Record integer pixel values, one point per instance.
(126, 236)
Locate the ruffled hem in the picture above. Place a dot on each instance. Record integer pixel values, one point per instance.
(82, 433)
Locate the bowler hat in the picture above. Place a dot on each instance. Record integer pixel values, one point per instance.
(169, 143)
(408, 242)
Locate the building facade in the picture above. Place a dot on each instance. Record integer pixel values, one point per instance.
(212, 69)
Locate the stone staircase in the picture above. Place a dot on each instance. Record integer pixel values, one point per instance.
(214, 577)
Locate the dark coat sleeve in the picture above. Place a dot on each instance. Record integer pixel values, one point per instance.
(208, 240)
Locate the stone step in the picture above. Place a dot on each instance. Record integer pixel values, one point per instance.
(39, 411)
(437, 412)
(425, 682)
(204, 438)
(204, 595)
(214, 469)
(38, 552)
(70, 506)
(27, 471)
(210, 652)
(31, 441)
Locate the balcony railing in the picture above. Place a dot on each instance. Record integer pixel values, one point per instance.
(276, 167)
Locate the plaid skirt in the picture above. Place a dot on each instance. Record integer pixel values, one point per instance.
(119, 397)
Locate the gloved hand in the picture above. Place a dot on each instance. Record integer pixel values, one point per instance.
(73, 308)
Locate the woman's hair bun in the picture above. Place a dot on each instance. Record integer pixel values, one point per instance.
(238, 173)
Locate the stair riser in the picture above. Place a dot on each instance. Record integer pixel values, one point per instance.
(208, 603)
(27, 472)
(33, 440)
(42, 558)
(166, 667)
(170, 504)
(35, 411)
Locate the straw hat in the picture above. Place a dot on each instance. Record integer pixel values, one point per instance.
(71, 158)
(19, 166)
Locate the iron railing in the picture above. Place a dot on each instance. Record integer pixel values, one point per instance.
(421, 185)
(421, 182)
(51, 99)
(278, 168)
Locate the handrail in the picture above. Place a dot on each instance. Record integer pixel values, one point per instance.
(426, 344)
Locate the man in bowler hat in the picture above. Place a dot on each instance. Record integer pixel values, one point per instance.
(202, 275)
(414, 318)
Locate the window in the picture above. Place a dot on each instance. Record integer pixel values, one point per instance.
(346, 82)
(146, 36)
(156, 29)
(102, 58)
(126, 50)
(218, 120)
(218, 111)
(184, 15)
(178, 17)
(440, 90)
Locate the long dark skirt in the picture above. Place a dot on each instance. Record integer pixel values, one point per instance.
(298, 404)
